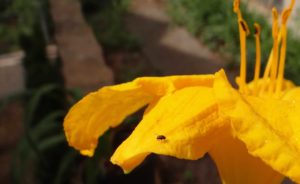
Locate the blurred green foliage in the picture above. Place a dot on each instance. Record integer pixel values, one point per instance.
(107, 20)
(215, 24)
(17, 18)
(42, 154)
(293, 59)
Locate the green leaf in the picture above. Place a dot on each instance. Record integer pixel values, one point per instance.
(67, 160)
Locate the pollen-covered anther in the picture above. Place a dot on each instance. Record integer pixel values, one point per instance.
(285, 16)
(245, 27)
(257, 29)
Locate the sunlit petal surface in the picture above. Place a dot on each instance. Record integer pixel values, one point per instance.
(188, 121)
(98, 111)
(269, 127)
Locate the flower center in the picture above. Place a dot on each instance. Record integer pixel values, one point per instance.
(272, 81)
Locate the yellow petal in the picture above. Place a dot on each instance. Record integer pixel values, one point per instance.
(281, 118)
(163, 85)
(96, 112)
(261, 84)
(292, 95)
(237, 166)
(268, 127)
(184, 124)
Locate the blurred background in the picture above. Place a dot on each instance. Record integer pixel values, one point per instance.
(52, 52)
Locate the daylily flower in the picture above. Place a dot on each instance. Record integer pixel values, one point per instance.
(252, 133)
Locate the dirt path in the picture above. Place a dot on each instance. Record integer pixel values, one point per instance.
(83, 62)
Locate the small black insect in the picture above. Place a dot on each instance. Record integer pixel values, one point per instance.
(161, 137)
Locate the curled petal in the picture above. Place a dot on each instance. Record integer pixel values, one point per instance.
(98, 111)
(184, 124)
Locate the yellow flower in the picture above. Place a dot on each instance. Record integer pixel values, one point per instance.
(253, 133)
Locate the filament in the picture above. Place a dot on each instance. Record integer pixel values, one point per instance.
(258, 55)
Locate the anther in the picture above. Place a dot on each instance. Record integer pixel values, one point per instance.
(256, 29)
(243, 26)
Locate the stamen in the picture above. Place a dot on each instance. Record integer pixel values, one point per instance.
(282, 61)
(236, 6)
(292, 4)
(281, 36)
(258, 55)
(244, 31)
(285, 15)
(257, 29)
(274, 63)
(244, 26)
(243, 68)
(269, 64)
